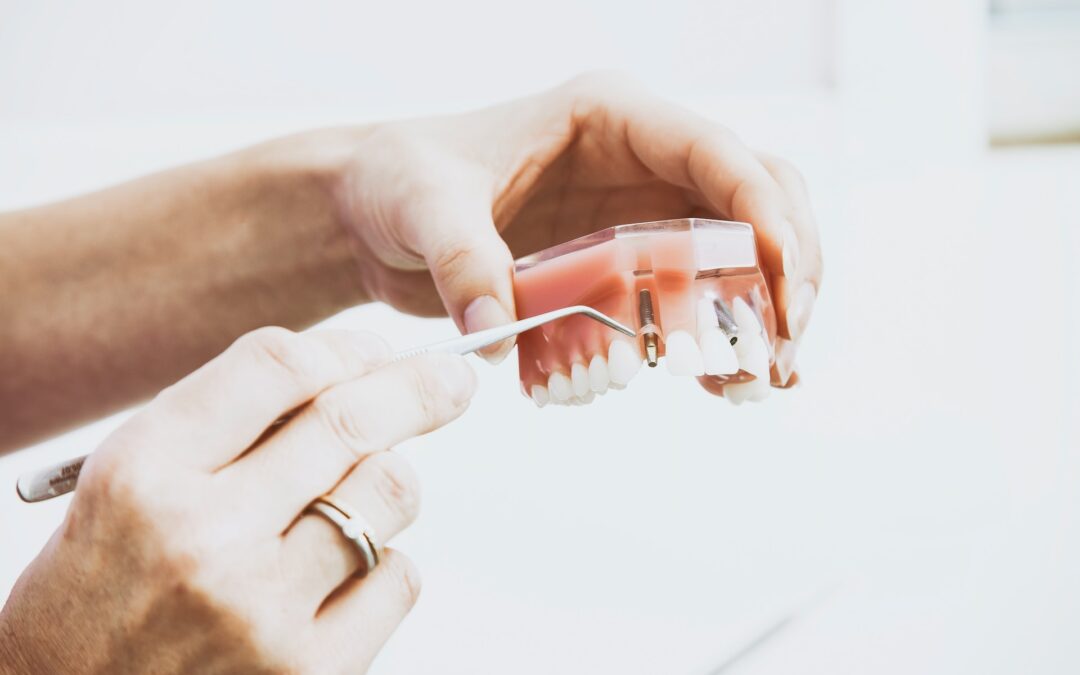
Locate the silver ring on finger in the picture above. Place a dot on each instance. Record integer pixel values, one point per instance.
(353, 527)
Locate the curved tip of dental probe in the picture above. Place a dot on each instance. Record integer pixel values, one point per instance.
(604, 319)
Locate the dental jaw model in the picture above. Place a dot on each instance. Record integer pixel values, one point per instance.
(692, 289)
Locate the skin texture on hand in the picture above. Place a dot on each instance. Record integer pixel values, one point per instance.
(184, 549)
(461, 196)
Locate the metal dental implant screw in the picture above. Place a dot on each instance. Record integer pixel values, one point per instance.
(648, 326)
(725, 320)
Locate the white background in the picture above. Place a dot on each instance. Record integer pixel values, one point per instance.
(911, 508)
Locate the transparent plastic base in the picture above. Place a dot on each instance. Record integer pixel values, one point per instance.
(692, 289)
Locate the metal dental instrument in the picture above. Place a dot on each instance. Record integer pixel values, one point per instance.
(484, 338)
(61, 478)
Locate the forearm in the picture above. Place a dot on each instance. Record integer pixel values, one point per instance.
(108, 297)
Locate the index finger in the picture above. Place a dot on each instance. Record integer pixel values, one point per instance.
(215, 414)
(688, 150)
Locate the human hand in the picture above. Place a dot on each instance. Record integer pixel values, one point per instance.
(186, 548)
(447, 203)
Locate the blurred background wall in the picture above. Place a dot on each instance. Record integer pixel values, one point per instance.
(388, 58)
(896, 78)
(1000, 66)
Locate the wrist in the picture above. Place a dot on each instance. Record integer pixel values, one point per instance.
(295, 184)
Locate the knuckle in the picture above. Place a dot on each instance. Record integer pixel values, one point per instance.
(343, 422)
(451, 260)
(429, 395)
(357, 351)
(396, 484)
(789, 175)
(395, 137)
(723, 137)
(600, 85)
(371, 345)
(404, 577)
(281, 349)
(743, 194)
(715, 141)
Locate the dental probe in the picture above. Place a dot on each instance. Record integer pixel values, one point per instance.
(484, 338)
(61, 478)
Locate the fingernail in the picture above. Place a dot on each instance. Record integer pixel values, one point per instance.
(781, 297)
(790, 255)
(486, 312)
(798, 314)
(458, 378)
(784, 364)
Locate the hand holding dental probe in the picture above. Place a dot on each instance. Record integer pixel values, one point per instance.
(194, 543)
(62, 478)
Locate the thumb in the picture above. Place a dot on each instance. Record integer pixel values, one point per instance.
(471, 265)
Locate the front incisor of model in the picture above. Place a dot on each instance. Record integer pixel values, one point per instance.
(708, 313)
(683, 356)
(624, 362)
(599, 379)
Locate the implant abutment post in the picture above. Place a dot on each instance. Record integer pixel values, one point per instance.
(726, 320)
(650, 349)
(648, 327)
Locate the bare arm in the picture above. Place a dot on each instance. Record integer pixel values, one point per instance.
(107, 297)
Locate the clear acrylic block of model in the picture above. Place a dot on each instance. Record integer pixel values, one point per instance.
(692, 288)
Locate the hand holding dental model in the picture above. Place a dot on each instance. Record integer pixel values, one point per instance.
(203, 535)
(461, 196)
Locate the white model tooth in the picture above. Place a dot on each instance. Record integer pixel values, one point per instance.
(540, 395)
(738, 392)
(559, 388)
(579, 379)
(598, 374)
(623, 362)
(760, 389)
(753, 355)
(745, 318)
(589, 397)
(682, 355)
(717, 353)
